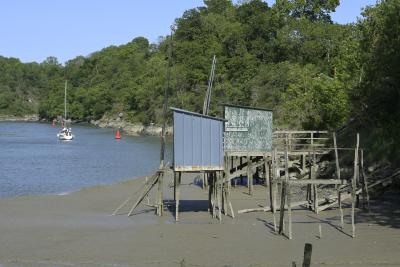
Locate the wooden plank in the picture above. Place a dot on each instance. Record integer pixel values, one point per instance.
(313, 182)
(302, 138)
(300, 132)
(265, 209)
(242, 170)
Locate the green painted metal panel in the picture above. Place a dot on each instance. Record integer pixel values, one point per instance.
(247, 129)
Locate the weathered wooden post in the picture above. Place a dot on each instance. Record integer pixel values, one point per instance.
(307, 255)
(365, 180)
(315, 186)
(249, 175)
(353, 189)
(160, 197)
(338, 187)
(282, 208)
(310, 174)
(178, 193)
(274, 185)
(287, 185)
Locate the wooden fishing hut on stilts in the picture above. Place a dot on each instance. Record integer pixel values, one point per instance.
(198, 147)
(247, 145)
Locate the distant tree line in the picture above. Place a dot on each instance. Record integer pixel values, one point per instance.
(291, 57)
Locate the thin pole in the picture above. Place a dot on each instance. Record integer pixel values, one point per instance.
(65, 100)
(338, 177)
(353, 187)
(166, 89)
(207, 99)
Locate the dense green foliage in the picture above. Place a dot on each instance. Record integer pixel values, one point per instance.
(289, 57)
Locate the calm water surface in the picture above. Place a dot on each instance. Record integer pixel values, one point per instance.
(33, 161)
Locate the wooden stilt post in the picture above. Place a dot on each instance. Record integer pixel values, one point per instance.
(209, 193)
(274, 185)
(287, 185)
(227, 188)
(267, 179)
(178, 183)
(308, 197)
(303, 161)
(282, 209)
(266, 170)
(175, 182)
(289, 205)
(219, 196)
(249, 175)
(353, 189)
(307, 255)
(214, 194)
(338, 188)
(365, 180)
(160, 204)
(315, 186)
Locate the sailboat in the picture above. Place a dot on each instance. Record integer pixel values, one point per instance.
(66, 133)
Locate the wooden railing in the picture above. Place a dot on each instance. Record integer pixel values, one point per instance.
(302, 141)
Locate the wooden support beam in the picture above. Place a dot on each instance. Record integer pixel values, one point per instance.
(365, 182)
(145, 192)
(338, 176)
(307, 255)
(250, 175)
(160, 195)
(282, 209)
(264, 209)
(353, 187)
(178, 193)
(243, 170)
(315, 186)
(219, 195)
(313, 182)
(289, 205)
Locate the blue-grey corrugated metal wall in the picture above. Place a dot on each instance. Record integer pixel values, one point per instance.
(198, 142)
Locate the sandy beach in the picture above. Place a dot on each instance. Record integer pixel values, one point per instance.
(78, 230)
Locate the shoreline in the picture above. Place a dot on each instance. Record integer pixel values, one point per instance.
(133, 129)
(129, 128)
(25, 118)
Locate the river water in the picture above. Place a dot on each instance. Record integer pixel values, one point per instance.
(34, 161)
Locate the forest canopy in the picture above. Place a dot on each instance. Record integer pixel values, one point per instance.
(291, 57)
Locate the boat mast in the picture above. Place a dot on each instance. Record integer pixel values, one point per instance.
(65, 100)
(207, 99)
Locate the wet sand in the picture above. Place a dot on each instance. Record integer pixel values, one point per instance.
(78, 230)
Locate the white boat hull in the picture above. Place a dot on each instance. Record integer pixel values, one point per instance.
(64, 137)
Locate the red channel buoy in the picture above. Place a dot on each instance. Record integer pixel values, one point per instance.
(118, 135)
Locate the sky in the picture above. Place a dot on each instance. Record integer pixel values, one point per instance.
(33, 30)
